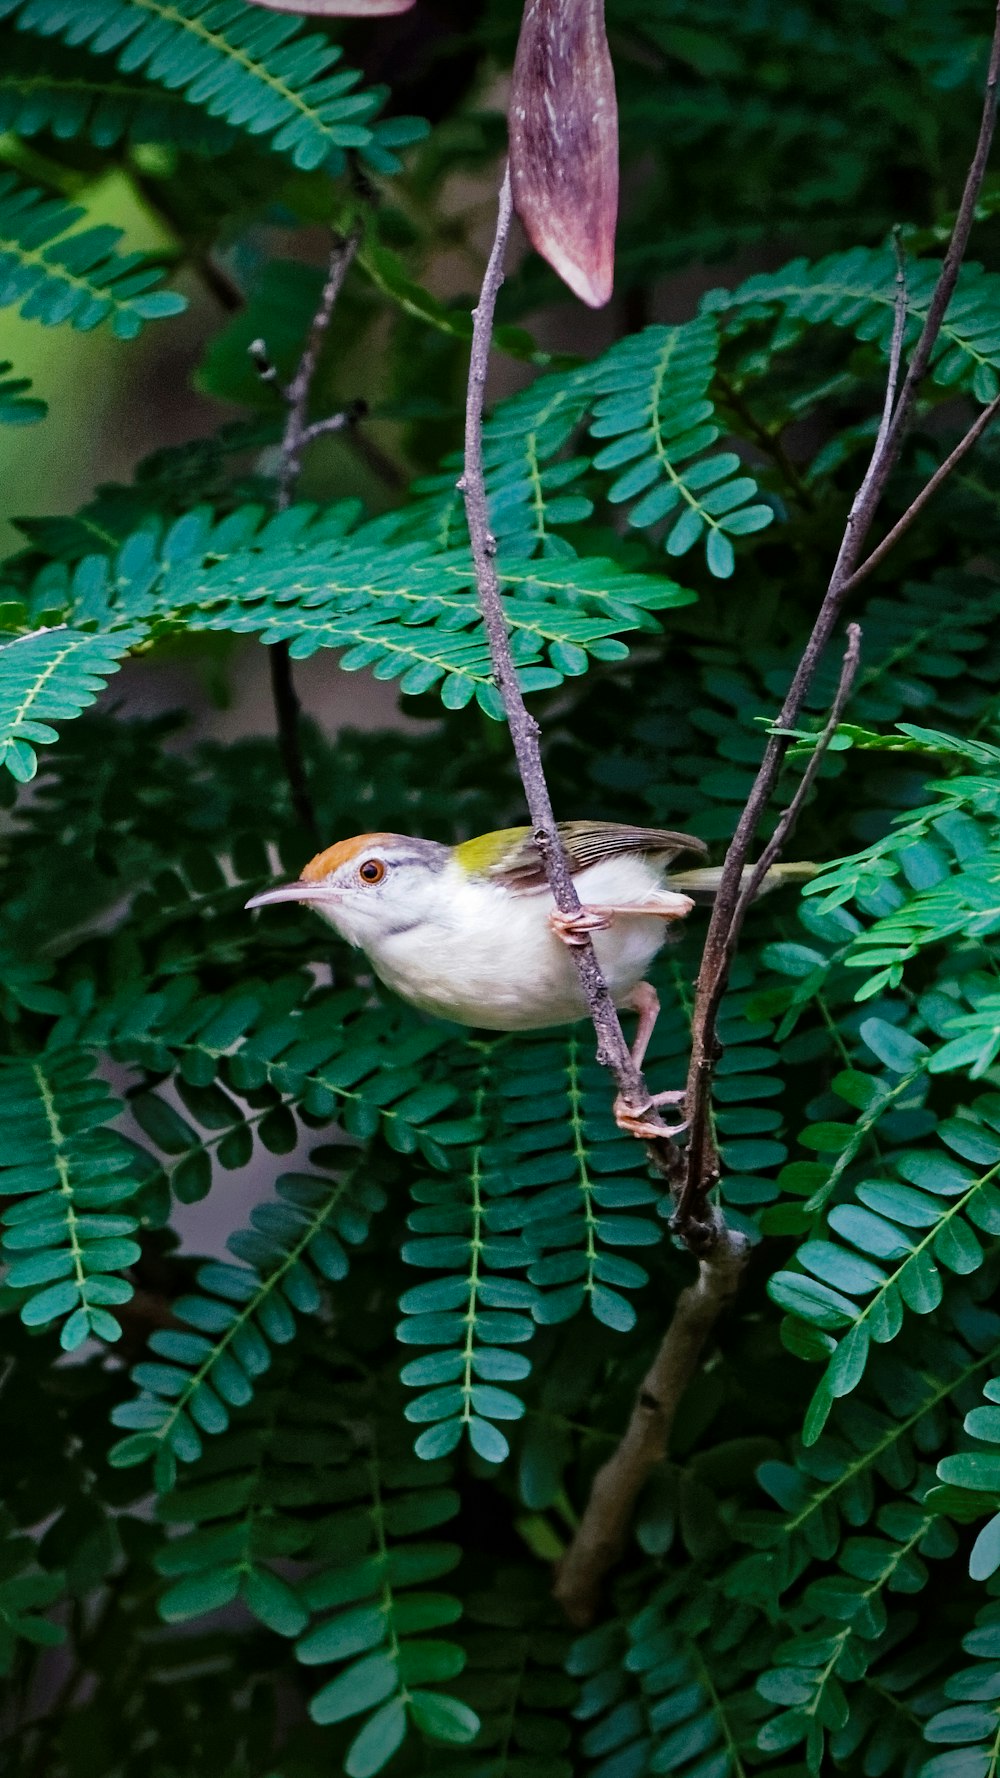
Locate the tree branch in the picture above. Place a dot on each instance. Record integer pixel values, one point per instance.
(612, 1050)
(298, 433)
(721, 948)
(702, 1160)
(603, 1529)
(602, 1534)
(926, 494)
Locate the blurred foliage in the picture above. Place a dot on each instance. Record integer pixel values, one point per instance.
(358, 1444)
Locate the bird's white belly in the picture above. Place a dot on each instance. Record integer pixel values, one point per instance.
(494, 961)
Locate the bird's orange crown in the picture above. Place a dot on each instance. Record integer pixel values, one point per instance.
(341, 853)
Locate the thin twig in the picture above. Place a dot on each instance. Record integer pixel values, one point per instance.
(298, 391)
(926, 494)
(702, 1160)
(786, 825)
(297, 435)
(612, 1050)
(601, 1536)
(691, 1195)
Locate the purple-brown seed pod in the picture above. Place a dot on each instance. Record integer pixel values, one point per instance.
(338, 9)
(563, 121)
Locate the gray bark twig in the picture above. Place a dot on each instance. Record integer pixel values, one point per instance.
(926, 494)
(702, 1160)
(602, 1534)
(612, 1049)
(299, 433)
(691, 1197)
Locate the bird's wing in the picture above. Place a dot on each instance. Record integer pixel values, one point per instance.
(510, 856)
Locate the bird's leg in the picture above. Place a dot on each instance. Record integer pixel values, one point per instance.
(574, 929)
(634, 1118)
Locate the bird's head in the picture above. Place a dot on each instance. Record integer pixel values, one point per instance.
(368, 887)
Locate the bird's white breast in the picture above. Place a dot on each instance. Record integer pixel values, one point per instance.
(485, 956)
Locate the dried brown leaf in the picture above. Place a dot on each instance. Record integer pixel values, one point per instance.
(563, 120)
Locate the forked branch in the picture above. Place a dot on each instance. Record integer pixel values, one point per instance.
(730, 906)
(603, 1530)
(298, 433)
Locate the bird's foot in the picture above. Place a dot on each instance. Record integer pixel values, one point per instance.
(636, 1121)
(575, 929)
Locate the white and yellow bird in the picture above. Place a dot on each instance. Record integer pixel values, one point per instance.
(471, 932)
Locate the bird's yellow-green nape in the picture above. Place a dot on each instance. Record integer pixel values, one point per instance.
(477, 857)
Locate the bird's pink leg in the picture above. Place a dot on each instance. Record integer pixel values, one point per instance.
(645, 1001)
(574, 929)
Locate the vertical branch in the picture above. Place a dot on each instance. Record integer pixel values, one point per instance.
(602, 1533)
(612, 1049)
(730, 908)
(601, 1536)
(297, 434)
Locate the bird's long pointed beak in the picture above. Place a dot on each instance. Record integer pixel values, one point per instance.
(292, 892)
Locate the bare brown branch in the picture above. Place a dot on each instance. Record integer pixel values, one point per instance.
(612, 1049)
(702, 1164)
(298, 433)
(602, 1534)
(926, 494)
(702, 1159)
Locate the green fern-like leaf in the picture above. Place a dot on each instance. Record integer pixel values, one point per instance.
(971, 1481)
(196, 1377)
(78, 97)
(54, 275)
(372, 1605)
(260, 1496)
(26, 1590)
(515, 1680)
(813, 1671)
(405, 617)
(400, 610)
(665, 1690)
(857, 290)
(256, 71)
(969, 1725)
(654, 405)
(469, 1314)
(564, 1180)
(878, 1436)
(921, 1214)
(70, 1232)
(48, 676)
(17, 407)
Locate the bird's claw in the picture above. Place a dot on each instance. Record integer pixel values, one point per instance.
(574, 929)
(635, 1120)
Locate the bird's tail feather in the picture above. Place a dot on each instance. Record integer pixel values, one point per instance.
(702, 885)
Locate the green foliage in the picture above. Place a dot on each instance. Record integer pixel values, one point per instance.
(857, 290)
(49, 675)
(65, 1237)
(54, 275)
(17, 407)
(288, 1499)
(258, 73)
(48, 90)
(654, 406)
(970, 1726)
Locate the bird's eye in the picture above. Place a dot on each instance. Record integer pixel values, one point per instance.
(372, 871)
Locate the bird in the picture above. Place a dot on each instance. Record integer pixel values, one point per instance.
(471, 932)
